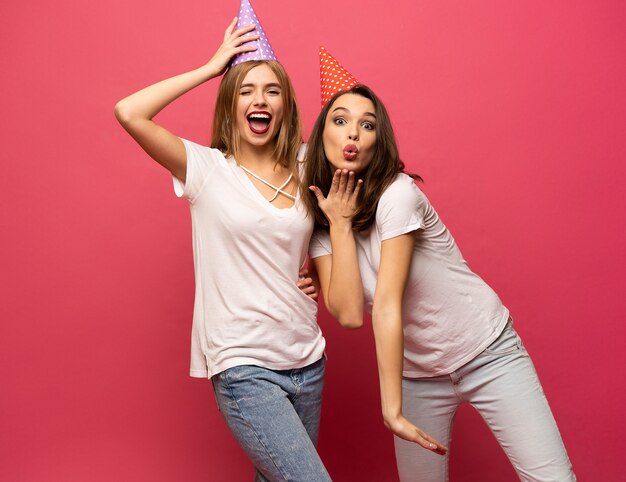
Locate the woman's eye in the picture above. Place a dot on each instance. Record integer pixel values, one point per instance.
(245, 92)
(339, 121)
(273, 92)
(368, 126)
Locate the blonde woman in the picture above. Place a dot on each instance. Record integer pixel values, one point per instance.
(255, 333)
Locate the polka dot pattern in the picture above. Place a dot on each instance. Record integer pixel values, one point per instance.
(333, 76)
(264, 51)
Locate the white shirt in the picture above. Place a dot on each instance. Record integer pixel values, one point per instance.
(247, 256)
(450, 314)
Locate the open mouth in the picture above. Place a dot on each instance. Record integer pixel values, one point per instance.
(350, 152)
(259, 122)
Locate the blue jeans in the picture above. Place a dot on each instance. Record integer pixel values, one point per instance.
(502, 385)
(275, 417)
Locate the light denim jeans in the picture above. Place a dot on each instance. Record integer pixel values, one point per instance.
(502, 384)
(275, 417)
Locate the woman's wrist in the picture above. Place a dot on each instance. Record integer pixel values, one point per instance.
(391, 420)
(208, 71)
(342, 224)
(391, 412)
(391, 415)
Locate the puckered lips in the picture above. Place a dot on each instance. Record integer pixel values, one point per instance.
(350, 152)
(259, 121)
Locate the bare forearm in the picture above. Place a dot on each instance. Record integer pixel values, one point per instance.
(148, 102)
(345, 293)
(387, 324)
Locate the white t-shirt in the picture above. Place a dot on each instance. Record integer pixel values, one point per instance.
(247, 256)
(450, 314)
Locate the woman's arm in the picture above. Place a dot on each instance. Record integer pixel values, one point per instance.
(339, 274)
(136, 111)
(395, 264)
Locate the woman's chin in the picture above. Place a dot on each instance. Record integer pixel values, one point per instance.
(257, 141)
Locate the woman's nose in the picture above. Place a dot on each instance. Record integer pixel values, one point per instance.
(259, 98)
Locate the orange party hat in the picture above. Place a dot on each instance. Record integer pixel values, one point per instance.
(333, 76)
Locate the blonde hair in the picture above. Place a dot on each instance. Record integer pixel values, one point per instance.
(225, 133)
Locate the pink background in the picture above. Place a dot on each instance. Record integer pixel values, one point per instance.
(513, 112)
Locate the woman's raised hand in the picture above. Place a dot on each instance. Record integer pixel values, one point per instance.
(234, 38)
(340, 204)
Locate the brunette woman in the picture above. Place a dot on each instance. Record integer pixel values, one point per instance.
(443, 337)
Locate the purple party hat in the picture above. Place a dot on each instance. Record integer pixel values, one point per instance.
(264, 50)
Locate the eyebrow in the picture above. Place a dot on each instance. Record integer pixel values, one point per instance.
(346, 110)
(273, 84)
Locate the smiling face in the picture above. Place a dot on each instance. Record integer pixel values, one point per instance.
(350, 133)
(259, 111)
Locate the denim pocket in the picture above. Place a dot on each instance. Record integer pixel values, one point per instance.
(508, 342)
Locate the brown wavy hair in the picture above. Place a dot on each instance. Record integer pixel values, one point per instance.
(225, 134)
(377, 176)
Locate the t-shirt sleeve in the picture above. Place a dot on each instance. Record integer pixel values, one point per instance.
(301, 152)
(300, 160)
(201, 161)
(400, 209)
(320, 244)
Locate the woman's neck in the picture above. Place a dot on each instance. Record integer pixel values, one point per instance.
(258, 157)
